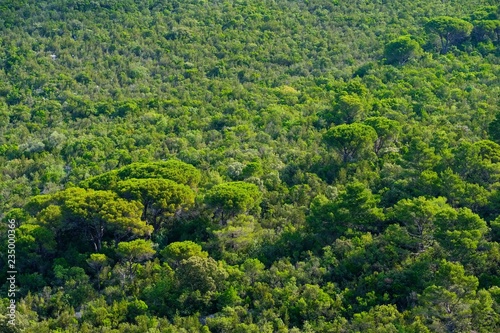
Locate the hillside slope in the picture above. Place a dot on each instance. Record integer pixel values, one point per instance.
(251, 166)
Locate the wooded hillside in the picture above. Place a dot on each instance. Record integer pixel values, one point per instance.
(251, 165)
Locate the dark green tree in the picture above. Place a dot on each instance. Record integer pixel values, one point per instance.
(451, 30)
(486, 30)
(402, 49)
(387, 130)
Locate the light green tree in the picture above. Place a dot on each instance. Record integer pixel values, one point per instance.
(418, 215)
(133, 253)
(175, 252)
(97, 262)
(230, 199)
(94, 214)
(161, 198)
(351, 141)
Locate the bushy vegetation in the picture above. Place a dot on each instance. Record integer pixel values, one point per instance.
(251, 166)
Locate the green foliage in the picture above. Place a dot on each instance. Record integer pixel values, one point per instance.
(200, 274)
(447, 306)
(451, 30)
(353, 209)
(161, 198)
(229, 199)
(486, 30)
(382, 318)
(349, 109)
(136, 251)
(174, 170)
(97, 215)
(300, 166)
(401, 50)
(418, 215)
(494, 129)
(351, 141)
(387, 132)
(98, 262)
(175, 252)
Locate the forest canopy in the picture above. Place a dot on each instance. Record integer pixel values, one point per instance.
(251, 166)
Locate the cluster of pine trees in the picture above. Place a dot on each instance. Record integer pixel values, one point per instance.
(251, 165)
